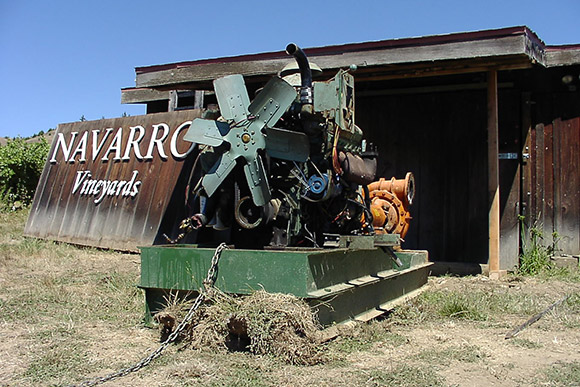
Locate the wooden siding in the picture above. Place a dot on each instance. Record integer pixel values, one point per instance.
(61, 212)
(554, 181)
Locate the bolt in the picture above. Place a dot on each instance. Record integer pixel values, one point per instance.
(246, 138)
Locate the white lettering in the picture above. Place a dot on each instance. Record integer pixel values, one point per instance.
(105, 184)
(157, 141)
(97, 187)
(135, 190)
(60, 143)
(123, 145)
(100, 189)
(97, 146)
(81, 176)
(112, 187)
(127, 190)
(81, 149)
(173, 144)
(115, 146)
(119, 186)
(134, 143)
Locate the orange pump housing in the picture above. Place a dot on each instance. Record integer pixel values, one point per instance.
(390, 201)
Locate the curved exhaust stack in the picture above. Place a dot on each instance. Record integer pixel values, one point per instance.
(305, 73)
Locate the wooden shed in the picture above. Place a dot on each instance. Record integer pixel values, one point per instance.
(488, 121)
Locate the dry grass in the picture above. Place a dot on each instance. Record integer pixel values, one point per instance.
(68, 314)
(262, 323)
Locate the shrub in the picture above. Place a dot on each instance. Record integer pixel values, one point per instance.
(21, 164)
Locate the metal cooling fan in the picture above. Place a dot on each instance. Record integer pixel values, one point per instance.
(248, 130)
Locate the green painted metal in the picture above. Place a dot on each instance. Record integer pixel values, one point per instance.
(341, 284)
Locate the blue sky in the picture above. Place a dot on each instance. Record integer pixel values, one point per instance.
(60, 60)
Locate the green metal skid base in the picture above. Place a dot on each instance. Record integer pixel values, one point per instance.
(342, 284)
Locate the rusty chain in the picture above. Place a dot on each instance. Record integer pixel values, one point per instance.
(208, 283)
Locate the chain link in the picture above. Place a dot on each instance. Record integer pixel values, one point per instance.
(208, 283)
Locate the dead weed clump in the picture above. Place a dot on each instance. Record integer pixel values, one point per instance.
(262, 323)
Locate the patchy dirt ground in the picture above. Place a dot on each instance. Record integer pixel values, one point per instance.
(68, 314)
(476, 353)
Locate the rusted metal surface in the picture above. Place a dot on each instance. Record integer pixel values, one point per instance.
(108, 183)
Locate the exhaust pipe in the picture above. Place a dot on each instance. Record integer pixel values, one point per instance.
(305, 73)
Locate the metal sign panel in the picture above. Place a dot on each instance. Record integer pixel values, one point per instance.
(108, 183)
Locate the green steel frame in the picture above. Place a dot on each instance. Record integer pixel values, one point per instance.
(357, 282)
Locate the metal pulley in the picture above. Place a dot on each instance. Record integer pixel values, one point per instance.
(250, 216)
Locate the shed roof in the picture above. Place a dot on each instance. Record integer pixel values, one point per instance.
(505, 48)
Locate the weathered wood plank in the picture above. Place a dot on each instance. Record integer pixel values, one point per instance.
(567, 193)
(539, 172)
(562, 57)
(526, 132)
(548, 187)
(510, 45)
(509, 177)
(493, 171)
(140, 95)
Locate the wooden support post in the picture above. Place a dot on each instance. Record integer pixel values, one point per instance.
(493, 174)
(198, 99)
(172, 101)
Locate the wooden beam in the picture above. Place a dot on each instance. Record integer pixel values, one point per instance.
(461, 67)
(142, 95)
(477, 49)
(493, 172)
(563, 57)
(431, 89)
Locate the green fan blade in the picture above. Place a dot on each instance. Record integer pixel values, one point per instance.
(232, 97)
(272, 102)
(207, 132)
(257, 181)
(218, 173)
